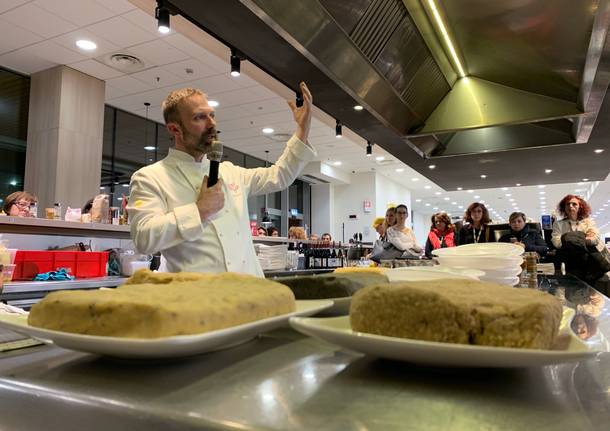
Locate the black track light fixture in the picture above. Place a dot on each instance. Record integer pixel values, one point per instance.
(338, 129)
(369, 149)
(235, 63)
(162, 13)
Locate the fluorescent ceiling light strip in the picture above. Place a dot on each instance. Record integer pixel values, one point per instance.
(445, 34)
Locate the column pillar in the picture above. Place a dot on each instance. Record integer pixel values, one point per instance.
(65, 137)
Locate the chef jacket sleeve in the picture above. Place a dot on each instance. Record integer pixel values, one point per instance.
(153, 226)
(296, 155)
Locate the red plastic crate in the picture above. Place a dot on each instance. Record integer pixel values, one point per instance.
(81, 264)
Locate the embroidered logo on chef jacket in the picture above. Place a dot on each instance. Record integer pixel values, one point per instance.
(234, 188)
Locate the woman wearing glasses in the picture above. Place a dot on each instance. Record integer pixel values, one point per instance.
(17, 204)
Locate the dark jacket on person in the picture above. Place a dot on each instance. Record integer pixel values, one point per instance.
(581, 260)
(468, 234)
(531, 238)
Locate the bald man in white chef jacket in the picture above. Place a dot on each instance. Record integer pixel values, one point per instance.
(199, 228)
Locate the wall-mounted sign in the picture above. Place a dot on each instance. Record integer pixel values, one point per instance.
(367, 206)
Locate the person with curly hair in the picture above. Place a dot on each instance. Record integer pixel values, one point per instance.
(441, 235)
(477, 228)
(576, 214)
(296, 232)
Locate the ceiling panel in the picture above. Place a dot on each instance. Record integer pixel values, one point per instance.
(26, 64)
(198, 69)
(158, 52)
(121, 32)
(78, 12)
(38, 20)
(14, 37)
(68, 40)
(54, 52)
(6, 5)
(96, 69)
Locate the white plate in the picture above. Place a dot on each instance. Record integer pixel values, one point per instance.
(481, 262)
(168, 347)
(482, 249)
(337, 330)
(504, 272)
(430, 273)
(340, 306)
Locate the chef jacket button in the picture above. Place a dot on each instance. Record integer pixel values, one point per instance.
(243, 261)
(228, 263)
(227, 211)
(220, 234)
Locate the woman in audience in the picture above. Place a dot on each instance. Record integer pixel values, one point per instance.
(261, 231)
(17, 204)
(442, 233)
(273, 231)
(390, 217)
(401, 236)
(575, 212)
(578, 242)
(476, 229)
(296, 232)
(521, 234)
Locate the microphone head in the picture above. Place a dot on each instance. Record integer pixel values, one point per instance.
(215, 153)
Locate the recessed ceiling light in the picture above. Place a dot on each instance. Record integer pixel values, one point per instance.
(541, 186)
(125, 185)
(358, 108)
(483, 176)
(461, 207)
(400, 170)
(518, 184)
(268, 130)
(459, 188)
(427, 205)
(86, 45)
(435, 208)
(439, 193)
(585, 179)
(213, 103)
(504, 188)
(102, 188)
(445, 198)
(427, 187)
(511, 200)
(477, 196)
(337, 163)
(541, 193)
(508, 195)
(548, 171)
(453, 203)
(379, 158)
(431, 166)
(598, 151)
(470, 191)
(415, 179)
(417, 200)
(482, 202)
(150, 148)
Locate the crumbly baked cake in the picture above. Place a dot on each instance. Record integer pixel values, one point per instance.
(458, 311)
(161, 310)
(142, 276)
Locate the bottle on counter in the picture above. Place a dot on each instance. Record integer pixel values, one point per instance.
(34, 209)
(57, 211)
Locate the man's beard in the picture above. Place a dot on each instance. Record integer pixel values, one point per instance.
(204, 142)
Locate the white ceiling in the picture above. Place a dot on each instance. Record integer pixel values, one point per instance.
(40, 34)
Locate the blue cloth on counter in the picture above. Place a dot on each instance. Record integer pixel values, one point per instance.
(59, 275)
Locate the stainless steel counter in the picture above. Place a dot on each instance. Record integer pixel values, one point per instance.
(285, 381)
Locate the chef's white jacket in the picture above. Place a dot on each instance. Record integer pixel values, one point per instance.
(165, 218)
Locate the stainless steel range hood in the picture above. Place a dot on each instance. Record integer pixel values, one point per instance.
(535, 71)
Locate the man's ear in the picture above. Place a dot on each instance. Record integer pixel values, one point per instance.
(174, 129)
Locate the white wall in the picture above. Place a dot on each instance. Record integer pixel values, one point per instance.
(421, 227)
(348, 200)
(322, 209)
(389, 192)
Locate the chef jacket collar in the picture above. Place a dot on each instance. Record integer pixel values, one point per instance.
(178, 156)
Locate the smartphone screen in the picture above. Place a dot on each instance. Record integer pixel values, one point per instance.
(299, 98)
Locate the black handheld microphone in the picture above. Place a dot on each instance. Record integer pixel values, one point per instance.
(215, 157)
